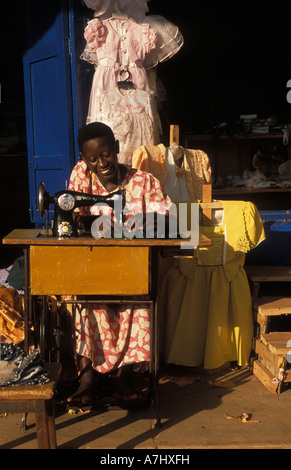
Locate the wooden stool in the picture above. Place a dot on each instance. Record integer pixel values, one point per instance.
(38, 399)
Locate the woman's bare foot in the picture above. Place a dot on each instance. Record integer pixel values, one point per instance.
(84, 393)
(125, 392)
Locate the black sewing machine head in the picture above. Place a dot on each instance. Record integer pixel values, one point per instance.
(66, 202)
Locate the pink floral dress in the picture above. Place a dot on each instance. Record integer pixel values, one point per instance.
(129, 113)
(117, 47)
(115, 336)
(113, 45)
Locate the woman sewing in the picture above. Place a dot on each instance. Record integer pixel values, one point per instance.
(111, 338)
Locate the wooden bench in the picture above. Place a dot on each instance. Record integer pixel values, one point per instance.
(259, 274)
(38, 399)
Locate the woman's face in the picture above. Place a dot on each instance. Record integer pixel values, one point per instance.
(100, 155)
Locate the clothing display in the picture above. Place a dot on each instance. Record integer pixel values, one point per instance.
(151, 158)
(129, 113)
(116, 45)
(105, 8)
(181, 183)
(125, 45)
(169, 38)
(205, 302)
(120, 46)
(110, 336)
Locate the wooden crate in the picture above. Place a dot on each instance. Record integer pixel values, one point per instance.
(266, 378)
(266, 307)
(271, 366)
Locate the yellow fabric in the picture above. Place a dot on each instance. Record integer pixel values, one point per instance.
(196, 166)
(206, 301)
(151, 158)
(197, 171)
(11, 318)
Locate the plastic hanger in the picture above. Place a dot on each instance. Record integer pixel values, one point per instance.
(126, 84)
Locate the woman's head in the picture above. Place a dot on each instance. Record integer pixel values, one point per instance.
(98, 148)
(92, 131)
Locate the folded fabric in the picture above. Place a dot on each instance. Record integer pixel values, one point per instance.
(11, 323)
(11, 316)
(29, 368)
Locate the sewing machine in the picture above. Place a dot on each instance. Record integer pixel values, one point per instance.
(67, 201)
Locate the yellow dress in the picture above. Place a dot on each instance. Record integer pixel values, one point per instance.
(205, 302)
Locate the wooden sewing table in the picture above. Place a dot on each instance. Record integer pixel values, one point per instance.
(85, 266)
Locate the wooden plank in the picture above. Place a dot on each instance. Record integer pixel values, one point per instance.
(174, 134)
(274, 371)
(20, 236)
(64, 270)
(211, 205)
(275, 360)
(269, 273)
(42, 428)
(38, 237)
(207, 197)
(263, 322)
(273, 305)
(27, 392)
(277, 341)
(265, 377)
(33, 392)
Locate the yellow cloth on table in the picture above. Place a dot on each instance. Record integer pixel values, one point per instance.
(206, 301)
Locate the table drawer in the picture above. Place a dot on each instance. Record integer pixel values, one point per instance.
(68, 270)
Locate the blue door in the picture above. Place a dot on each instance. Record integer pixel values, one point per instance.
(51, 115)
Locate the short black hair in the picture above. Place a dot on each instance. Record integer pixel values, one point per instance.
(93, 131)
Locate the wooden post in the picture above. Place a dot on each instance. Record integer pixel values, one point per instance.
(174, 134)
(207, 197)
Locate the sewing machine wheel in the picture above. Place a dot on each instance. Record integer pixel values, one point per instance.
(46, 329)
(43, 200)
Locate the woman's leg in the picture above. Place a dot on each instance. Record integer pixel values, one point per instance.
(84, 392)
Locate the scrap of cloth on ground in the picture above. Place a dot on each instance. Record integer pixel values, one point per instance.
(206, 301)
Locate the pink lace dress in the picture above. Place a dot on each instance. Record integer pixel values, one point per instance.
(130, 114)
(115, 46)
(112, 337)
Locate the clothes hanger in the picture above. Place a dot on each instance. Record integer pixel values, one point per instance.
(125, 84)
